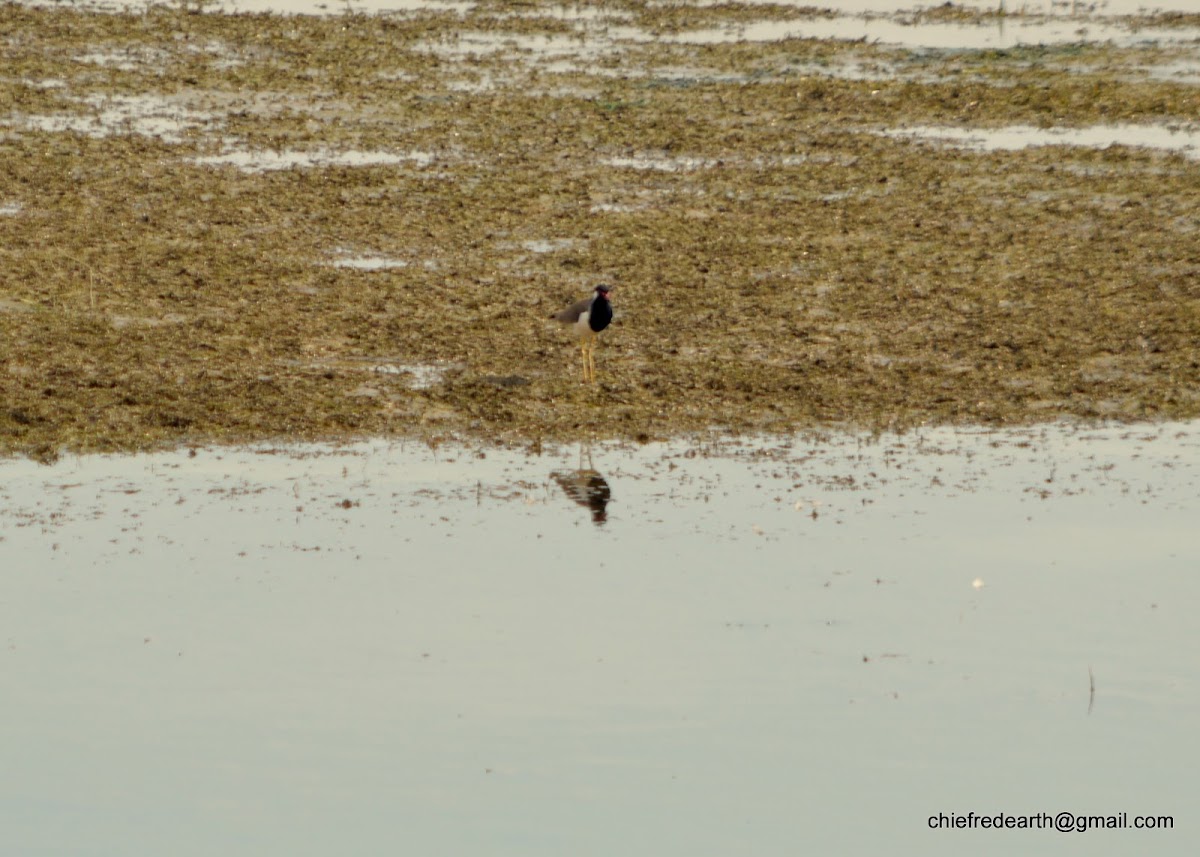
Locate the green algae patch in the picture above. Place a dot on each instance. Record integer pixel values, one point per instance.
(177, 190)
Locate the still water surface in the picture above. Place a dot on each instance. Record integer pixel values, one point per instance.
(762, 647)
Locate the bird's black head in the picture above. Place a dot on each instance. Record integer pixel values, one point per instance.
(600, 311)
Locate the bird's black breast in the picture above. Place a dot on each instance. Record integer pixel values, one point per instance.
(600, 314)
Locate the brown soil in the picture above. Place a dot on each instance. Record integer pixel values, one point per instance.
(777, 263)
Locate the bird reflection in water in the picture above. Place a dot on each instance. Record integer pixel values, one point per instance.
(586, 487)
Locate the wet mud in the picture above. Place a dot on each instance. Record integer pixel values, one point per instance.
(228, 228)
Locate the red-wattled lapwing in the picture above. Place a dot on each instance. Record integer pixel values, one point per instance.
(588, 316)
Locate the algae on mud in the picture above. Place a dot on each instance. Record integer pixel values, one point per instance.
(778, 263)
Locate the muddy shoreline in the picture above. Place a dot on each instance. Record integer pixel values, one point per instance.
(779, 262)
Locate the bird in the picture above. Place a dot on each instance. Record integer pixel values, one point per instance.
(588, 317)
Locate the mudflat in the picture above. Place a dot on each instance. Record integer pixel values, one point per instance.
(227, 228)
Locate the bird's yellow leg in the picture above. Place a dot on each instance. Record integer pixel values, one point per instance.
(583, 357)
(592, 357)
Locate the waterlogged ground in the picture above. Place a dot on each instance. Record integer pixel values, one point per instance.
(696, 648)
(468, 634)
(230, 227)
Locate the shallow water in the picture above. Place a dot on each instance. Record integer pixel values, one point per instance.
(367, 261)
(704, 647)
(593, 40)
(1171, 139)
(176, 119)
(265, 161)
(145, 115)
(1004, 32)
(1059, 8)
(1026, 22)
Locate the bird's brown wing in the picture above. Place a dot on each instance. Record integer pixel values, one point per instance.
(572, 313)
